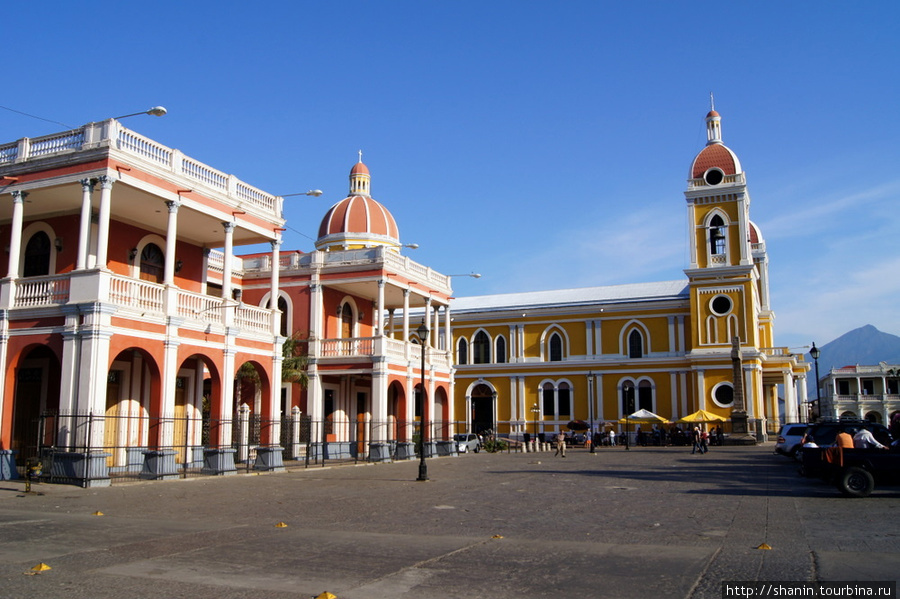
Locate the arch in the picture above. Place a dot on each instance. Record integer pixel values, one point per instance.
(285, 306)
(848, 415)
(626, 389)
(152, 263)
(557, 399)
(554, 344)
(874, 416)
(717, 232)
(625, 337)
(134, 418)
(481, 347)
(462, 351)
(500, 349)
(646, 395)
(139, 248)
(441, 415)
(481, 400)
(252, 387)
(48, 262)
(397, 412)
(35, 378)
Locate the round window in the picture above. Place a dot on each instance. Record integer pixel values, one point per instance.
(714, 176)
(721, 305)
(723, 395)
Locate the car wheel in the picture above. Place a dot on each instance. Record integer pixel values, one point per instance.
(856, 482)
(477, 449)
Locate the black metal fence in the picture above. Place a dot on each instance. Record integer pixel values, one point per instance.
(99, 449)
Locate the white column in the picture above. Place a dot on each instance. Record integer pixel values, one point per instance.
(701, 390)
(84, 228)
(671, 334)
(274, 292)
(673, 384)
(406, 321)
(171, 238)
(15, 235)
(692, 231)
(588, 338)
(750, 396)
(790, 400)
(448, 341)
(379, 314)
(227, 260)
(598, 338)
(106, 184)
(435, 328)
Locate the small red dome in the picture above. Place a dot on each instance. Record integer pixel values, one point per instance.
(359, 169)
(712, 113)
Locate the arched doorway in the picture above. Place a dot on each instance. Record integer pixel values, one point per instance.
(37, 385)
(482, 408)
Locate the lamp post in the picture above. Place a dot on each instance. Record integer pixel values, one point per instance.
(814, 353)
(423, 468)
(591, 409)
(629, 409)
(312, 192)
(535, 410)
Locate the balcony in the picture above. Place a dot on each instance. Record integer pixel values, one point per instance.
(111, 136)
(368, 347)
(150, 300)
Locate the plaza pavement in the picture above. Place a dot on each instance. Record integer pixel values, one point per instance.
(649, 522)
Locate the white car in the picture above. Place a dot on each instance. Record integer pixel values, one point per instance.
(467, 442)
(789, 438)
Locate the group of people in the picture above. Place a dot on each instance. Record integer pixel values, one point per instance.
(698, 438)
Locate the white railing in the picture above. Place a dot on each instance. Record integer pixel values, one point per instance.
(348, 348)
(727, 179)
(200, 307)
(111, 131)
(253, 318)
(42, 291)
(137, 294)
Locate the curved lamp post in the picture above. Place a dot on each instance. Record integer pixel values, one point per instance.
(155, 111)
(423, 467)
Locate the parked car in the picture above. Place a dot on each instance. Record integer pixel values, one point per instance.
(824, 433)
(789, 438)
(466, 442)
(853, 471)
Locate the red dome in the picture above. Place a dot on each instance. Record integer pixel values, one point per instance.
(715, 155)
(359, 169)
(358, 217)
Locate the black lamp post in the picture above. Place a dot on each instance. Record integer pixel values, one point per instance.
(423, 468)
(629, 409)
(535, 410)
(815, 353)
(591, 409)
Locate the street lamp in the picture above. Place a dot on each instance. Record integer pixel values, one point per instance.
(474, 275)
(312, 192)
(423, 468)
(591, 409)
(629, 409)
(536, 411)
(155, 111)
(815, 353)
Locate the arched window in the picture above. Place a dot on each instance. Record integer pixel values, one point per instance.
(717, 236)
(481, 348)
(283, 307)
(463, 352)
(37, 256)
(152, 263)
(346, 321)
(549, 399)
(565, 400)
(628, 398)
(645, 396)
(635, 344)
(501, 350)
(556, 348)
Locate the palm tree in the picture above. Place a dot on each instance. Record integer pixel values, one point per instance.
(294, 361)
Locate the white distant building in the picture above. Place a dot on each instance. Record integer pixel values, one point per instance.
(866, 392)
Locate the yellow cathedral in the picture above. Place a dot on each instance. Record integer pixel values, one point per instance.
(532, 362)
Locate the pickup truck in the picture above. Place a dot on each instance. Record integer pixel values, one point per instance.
(853, 471)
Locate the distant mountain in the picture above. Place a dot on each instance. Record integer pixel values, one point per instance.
(865, 346)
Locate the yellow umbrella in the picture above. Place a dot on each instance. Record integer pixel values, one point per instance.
(702, 416)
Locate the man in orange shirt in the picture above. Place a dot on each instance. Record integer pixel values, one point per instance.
(844, 440)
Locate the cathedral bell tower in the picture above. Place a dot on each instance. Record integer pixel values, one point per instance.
(724, 279)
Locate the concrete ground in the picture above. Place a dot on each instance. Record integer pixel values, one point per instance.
(649, 522)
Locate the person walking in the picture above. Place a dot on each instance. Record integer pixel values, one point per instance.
(695, 441)
(560, 445)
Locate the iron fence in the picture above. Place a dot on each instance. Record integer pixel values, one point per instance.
(91, 449)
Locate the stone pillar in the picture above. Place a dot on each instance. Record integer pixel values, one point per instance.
(274, 292)
(15, 236)
(106, 184)
(227, 260)
(84, 225)
(171, 239)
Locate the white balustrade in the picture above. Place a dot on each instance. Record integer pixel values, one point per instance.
(253, 318)
(137, 294)
(42, 291)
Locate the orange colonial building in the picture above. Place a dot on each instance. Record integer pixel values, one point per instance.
(349, 302)
(121, 333)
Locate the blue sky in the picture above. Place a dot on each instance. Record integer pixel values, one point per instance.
(543, 145)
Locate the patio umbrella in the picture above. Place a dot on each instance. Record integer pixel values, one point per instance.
(578, 425)
(702, 416)
(643, 416)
